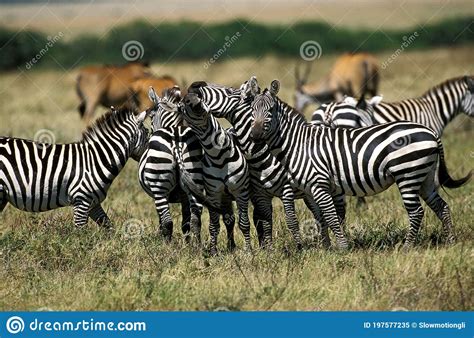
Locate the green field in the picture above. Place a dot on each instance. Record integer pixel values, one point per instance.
(46, 263)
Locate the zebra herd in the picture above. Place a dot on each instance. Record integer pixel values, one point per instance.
(354, 148)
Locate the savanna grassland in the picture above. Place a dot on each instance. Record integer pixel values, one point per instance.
(46, 263)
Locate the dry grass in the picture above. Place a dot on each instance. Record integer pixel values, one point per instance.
(47, 263)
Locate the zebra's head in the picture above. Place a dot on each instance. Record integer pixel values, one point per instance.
(467, 103)
(165, 109)
(263, 107)
(195, 111)
(222, 100)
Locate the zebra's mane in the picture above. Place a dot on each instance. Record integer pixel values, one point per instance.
(445, 84)
(105, 121)
(292, 112)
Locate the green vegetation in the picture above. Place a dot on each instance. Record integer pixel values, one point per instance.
(190, 40)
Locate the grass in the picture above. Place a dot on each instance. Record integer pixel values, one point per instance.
(46, 263)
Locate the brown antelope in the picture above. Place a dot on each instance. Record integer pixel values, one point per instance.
(107, 85)
(139, 89)
(353, 75)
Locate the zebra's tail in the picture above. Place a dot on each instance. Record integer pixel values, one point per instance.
(444, 179)
(190, 186)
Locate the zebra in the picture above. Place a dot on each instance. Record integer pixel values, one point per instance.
(37, 177)
(434, 109)
(158, 168)
(363, 161)
(344, 114)
(268, 177)
(225, 172)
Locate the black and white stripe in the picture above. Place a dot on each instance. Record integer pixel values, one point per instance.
(159, 170)
(333, 162)
(268, 177)
(39, 177)
(434, 109)
(225, 172)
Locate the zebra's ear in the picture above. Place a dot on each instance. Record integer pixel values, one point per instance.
(274, 87)
(152, 96)
(362, 104)
(253, 84)
(375, 100)
(350, 101)
(141, 117)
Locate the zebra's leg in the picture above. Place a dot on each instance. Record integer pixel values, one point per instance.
(164, 216)
(415, 212)
(186, 217)
(325, 201)
(229, 222)
(195, 222)
(340, 204)
(81, 212)
(263, 220)
(320, 225)
(244, 223)
(214, 227)
(98, 215)
(441, 209)
(3, 198)
(288, 199)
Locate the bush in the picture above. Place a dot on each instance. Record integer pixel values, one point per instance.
(190, 40)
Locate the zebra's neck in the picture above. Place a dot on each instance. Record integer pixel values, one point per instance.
(107, 154)
(292, 126)
(212, 136)
(241, 120)
(445, 100)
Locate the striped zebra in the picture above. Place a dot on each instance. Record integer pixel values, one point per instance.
(359, 162)
(434, 109)
(225, 172)
(39, 177)
(158, 168)
(268, 177)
